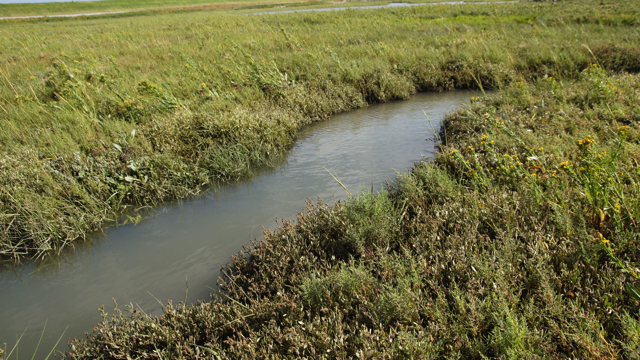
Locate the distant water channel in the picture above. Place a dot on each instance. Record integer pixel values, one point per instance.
(390, 5)
(192, 239)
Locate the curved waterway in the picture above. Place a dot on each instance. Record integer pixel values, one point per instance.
(187, 242)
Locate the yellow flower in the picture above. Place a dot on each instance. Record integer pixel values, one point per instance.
(623, 130)
(584, 143)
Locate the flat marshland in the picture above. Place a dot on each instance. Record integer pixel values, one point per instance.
(146, 7)
(103, 114)
(83, 7)
(519, 240)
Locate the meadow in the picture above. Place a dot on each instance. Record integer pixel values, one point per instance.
(53, 8)
(518, 241)
(152, 7)
(101, 116)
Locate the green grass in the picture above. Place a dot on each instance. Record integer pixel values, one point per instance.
(14, 352)
(101, 115)
(154, 6)
(208, 95)
(518, 241)
(118, 5)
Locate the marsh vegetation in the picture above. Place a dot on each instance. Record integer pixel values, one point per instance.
(104, 115)
(518, 241)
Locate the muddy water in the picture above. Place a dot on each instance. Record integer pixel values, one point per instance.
(186, 243)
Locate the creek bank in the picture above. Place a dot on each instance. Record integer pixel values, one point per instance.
(491, 250)
(91, 134)
(183, 244)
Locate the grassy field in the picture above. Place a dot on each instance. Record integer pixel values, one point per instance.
(155, 6)
(518, 241)
(120, 5)
(101, 115)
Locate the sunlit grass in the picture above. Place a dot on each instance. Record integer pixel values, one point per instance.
(103, 114)
(519, 240)
(80, 7)
(151, 7)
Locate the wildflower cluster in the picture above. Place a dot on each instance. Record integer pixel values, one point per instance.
(623, 131)
(484, 141)
(146, 87)
(584, 144)
(600, 177)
